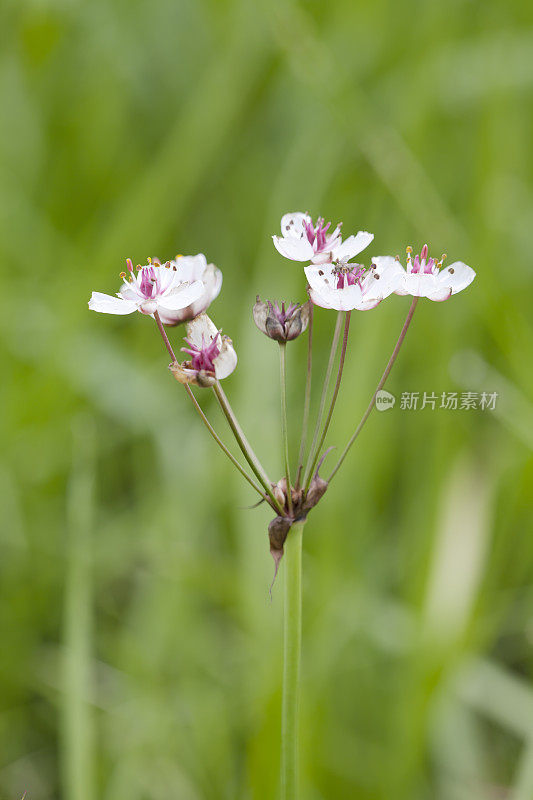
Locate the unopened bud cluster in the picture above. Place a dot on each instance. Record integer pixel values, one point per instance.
(281, 323)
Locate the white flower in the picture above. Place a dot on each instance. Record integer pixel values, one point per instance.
(153, 288)
(345, 287)
(212, 355)
(304, 240)
(191, 269)
(426, 277)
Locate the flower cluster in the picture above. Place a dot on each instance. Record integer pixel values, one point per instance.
(177, 291)
(336, 282)
(181, 290)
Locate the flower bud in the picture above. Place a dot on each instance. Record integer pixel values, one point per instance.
(316, 491)
(279, 490)
(277, 533)
(281, 324)
(212, 356)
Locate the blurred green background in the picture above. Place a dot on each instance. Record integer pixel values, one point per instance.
(140, 654)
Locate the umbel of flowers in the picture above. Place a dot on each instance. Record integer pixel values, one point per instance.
(181, 290)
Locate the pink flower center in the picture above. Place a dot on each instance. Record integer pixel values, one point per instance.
(149, 285)
(348, 274)
(421, 264)
(202, 358)
(317, 234)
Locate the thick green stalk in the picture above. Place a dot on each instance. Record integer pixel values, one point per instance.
(292, 640)
(284, 433)
(77, 723)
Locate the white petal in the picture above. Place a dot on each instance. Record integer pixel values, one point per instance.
(226, 361)
(319, 299)
(129, 292)
(295, 249)
(106, 304)
(324, 257)
(293, 225)
(391, 275)
(167, 279)
(440, 294)
(321, 277)
(189, 268)
(324, 293)
(347, 299)
(181, 296)
(457, 276)
(217, 282)
(201, 331)
(353, 245)
(419, 284)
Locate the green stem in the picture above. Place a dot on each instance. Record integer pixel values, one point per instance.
(333, 398)
(327, 378)
(292, 640)
(380, 385)
(246, 449)
(77, 724)
(284, 434)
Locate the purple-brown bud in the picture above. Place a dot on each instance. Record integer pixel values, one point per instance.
(279, 490)
(281, 324)
(316, 491)
(277, 533)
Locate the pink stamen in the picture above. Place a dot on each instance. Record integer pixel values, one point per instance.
(202, 358)
(282, 314)
(317, 234)
(421, 264)
(350, 275)
(149, 285)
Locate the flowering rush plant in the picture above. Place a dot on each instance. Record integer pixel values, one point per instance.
(179, 291)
